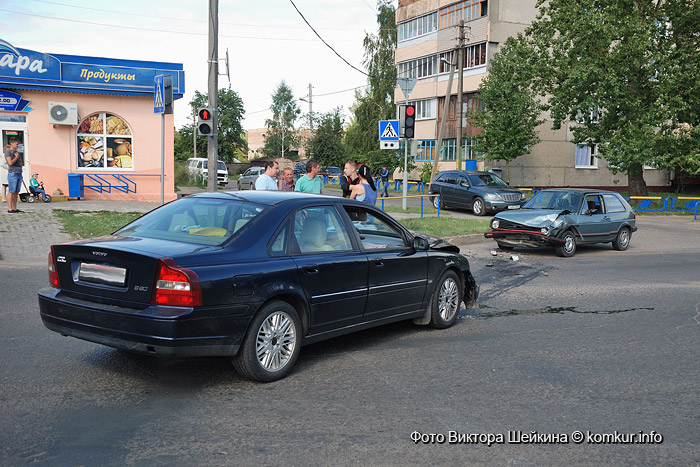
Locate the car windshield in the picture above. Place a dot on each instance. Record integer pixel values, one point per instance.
(562, 200)
(220, 165)
(486, 179)
(200, 220)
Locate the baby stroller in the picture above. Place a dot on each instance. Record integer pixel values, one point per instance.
(29, 196)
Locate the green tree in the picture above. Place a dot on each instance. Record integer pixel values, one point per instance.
(606, 65)
(377, 101)
(281, 135)
(327, 142)
(678, 65)
(183, 144)
(232, 142)
(510, 107)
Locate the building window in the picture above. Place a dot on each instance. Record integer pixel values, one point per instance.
(449, 150)
(470, 102)
(586, 156)
(418, 68)
(424, 108)
(104, 141)
(418, 26)
(425, 151)
(475, 55)
(467, 10)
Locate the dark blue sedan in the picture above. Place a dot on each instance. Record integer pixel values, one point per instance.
(252, 275)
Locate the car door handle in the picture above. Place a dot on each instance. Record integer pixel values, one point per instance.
(379, 264)
(311, 270)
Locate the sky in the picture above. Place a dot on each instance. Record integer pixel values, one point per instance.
(267, 42)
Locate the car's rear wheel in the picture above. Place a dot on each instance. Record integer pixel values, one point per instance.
(478, 207)
(438, 203)
(445, 301)
(272, 344)
(568, 246)
(622, 241)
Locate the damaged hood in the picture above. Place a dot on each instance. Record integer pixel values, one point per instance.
(532, 217)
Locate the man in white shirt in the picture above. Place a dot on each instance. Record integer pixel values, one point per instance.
(268, 180)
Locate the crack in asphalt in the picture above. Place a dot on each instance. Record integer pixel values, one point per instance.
(477, 314)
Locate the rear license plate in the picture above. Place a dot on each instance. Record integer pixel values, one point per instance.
(102, 274)
(514, 207)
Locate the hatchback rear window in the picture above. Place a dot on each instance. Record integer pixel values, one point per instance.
(199, 220)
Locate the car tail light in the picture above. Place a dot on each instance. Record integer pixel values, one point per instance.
(175, 285)
(53, 270)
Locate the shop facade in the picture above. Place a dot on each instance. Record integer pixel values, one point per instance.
(89, 121)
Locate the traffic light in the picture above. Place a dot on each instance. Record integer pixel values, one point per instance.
(204, 122)
(409, 121)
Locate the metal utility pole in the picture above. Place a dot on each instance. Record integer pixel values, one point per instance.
(460, 70)
(213, 62)
(441, 131)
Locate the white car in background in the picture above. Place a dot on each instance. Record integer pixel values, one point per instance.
(199, 166)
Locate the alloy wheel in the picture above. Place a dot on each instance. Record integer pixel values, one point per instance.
(276, 341)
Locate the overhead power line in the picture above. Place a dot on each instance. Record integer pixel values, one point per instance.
(327, 45)
(171, 18)
(120, 26)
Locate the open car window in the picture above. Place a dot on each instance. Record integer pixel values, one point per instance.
(204, 221)
(319, 229)
(374, 232)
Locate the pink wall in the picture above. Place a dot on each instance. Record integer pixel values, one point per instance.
(51, 149)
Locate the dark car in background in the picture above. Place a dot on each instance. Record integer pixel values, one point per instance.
(563, 218)
(251, 275)
(299, 168)
(331, 171)
(481, 192)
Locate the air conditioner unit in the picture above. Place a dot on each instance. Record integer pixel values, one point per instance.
(63, 113)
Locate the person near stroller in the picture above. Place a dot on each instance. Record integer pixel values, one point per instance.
(35, 186)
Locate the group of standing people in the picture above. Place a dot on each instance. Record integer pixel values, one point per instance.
(308, 183)
(356, 183)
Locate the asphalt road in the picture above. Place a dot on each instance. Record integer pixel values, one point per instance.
(605, 342)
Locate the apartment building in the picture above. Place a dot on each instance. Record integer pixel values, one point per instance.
(428, 33)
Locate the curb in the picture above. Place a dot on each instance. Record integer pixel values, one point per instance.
(468, 239)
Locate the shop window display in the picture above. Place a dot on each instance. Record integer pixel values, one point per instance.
(104, 141)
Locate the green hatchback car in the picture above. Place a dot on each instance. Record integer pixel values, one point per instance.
(564, 218)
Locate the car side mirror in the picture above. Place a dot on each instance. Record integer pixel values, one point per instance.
(420, 243)
(464, 184)
(587, 212)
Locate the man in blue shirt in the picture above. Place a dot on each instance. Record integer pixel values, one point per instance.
(384, 174)
(268, 180)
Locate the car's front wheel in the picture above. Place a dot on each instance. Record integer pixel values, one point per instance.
(272, 344)
(445, 301)
(478, 207)
(568, 246)
(622, 241)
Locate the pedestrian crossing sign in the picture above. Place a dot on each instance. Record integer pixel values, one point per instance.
(388, 130)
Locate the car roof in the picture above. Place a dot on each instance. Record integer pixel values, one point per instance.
(468, 172)
(272, 197)
(580, 190)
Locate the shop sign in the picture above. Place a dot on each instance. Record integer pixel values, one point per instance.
(13, 102)
(75, 74)
(23, 63)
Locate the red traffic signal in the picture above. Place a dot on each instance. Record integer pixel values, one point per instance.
(204, 121)
(409, 121)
